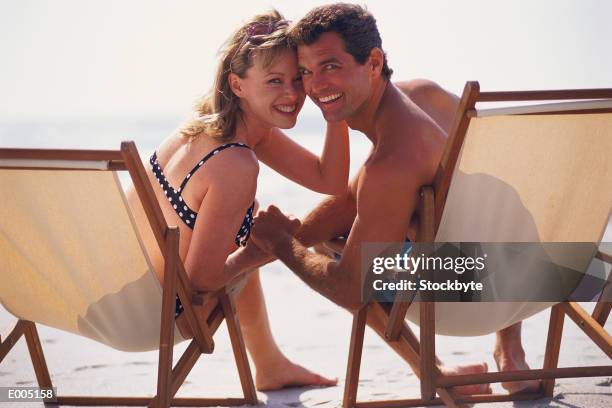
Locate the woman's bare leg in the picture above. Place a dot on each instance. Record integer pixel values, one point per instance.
(272, 369)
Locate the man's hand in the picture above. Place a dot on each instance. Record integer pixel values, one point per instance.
(272, 227)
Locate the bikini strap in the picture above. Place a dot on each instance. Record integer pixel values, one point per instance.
(205, 158)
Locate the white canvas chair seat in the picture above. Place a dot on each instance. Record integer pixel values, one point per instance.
(525, 178)
(72, 258)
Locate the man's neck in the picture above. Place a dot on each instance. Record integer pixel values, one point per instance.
(364, 119)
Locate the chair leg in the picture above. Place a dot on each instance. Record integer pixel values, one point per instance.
(37, 355)
(354, 360)
(604, 302)
(242, 360)
(589, 326)
(10, 337)
(28, 330)
(164, 375)
(166, 335)
(184, 365)
(428, 350)
(601, 312)
(409, 348)
(603, 306)
(553, 346)
(396, 317)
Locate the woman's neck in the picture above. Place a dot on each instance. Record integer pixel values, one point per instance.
(250, 129)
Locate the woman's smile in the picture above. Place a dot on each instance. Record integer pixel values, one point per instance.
(289, 109)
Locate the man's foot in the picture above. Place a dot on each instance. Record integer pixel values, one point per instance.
(287, 374)
(507, 361)
(469, 369)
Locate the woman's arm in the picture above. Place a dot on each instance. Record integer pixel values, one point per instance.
(327, 174)
(230, 192)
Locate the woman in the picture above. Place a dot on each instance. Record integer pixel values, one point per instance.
(206, 177)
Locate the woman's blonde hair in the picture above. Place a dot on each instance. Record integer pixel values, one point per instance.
(218, 111)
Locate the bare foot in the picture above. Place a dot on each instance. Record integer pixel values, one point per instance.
(511, 362)
(287, 374)
(469, 369)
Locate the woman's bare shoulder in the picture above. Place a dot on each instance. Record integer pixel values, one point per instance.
(170, 145)
(234, 162)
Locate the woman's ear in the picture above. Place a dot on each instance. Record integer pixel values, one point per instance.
(376, 61)
(235, 83)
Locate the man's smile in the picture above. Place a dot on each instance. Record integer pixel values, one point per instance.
(329, 98)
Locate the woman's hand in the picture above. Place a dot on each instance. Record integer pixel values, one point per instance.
(246, 259)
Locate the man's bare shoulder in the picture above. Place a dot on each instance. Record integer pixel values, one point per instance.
(420, 88)
(440, 104)
(397, 112)
(412, 142)
(407, 151)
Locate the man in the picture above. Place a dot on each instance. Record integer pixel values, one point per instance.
(345, 73)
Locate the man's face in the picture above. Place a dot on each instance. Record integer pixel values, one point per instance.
(332, 78)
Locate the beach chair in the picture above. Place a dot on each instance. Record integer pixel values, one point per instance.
(73, 259)
(531, 173)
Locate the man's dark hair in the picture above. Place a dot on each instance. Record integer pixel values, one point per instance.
(353, 23)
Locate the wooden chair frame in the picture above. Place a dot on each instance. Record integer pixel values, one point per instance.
(204, 311)
(422, 357)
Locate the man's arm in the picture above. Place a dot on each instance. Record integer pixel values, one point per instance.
(386, 200)
(331, 218)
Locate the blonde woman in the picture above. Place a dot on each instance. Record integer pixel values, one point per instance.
(205, 177)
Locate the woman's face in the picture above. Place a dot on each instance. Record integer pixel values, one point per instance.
(274, 94)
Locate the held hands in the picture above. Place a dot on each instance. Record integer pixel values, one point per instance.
(272, 227)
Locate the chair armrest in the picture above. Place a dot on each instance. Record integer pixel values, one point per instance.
(604, 256)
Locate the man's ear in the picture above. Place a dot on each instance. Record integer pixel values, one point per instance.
(235, 83)
(376, 61)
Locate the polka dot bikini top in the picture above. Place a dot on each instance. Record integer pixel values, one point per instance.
(182, 209)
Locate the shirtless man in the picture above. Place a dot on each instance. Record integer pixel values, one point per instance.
(345, 73)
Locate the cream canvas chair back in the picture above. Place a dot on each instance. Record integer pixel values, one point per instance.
(537, 177)
(72, 258)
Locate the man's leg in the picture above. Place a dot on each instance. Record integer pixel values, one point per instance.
(272, 369)
(509, 355)
(377, 321)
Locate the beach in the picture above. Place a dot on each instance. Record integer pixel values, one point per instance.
(89, 75)
(310, 329)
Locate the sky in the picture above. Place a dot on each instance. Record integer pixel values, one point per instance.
(150, 59)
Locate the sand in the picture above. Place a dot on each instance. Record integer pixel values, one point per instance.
(311, 331)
